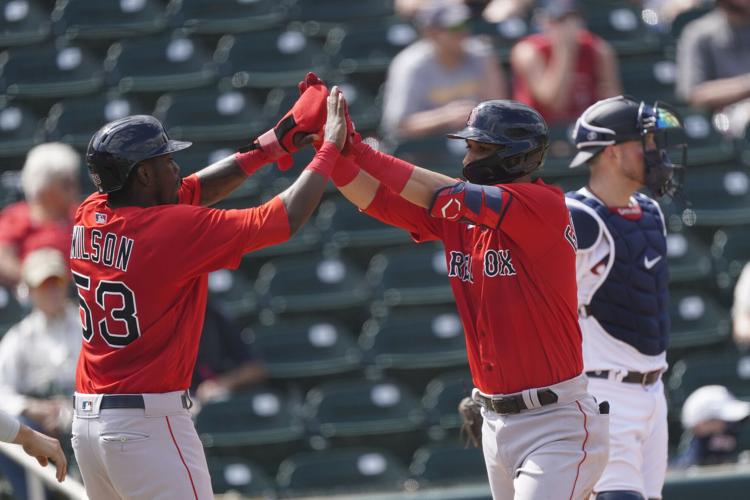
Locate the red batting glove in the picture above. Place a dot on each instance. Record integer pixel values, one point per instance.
(307, 116)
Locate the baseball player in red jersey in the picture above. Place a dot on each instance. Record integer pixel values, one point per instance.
(510, 250)
(141, 251)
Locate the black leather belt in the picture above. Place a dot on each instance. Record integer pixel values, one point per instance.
(125, 401)
(647, 378)
(514, 403)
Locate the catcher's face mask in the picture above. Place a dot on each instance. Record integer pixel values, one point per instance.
(665, 164)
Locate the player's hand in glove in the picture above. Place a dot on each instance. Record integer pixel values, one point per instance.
(300, 126)
(471, 418)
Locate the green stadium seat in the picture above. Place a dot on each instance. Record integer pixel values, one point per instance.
(689, 259)
(338, 472)
(622, 25)
(347, 227)
(311, 284)
(305, 351)
(208, 114)
(504, 35)
(48, 71)
(728, 368)
(217, 17)
(720, 196)
(442, 395)
(412, 275)
(330, 13)
(365, 413)
(202, 153)
(306, 241)
(269, 58)
(697, 319)
(650, 77)
(23, 22)
(235, 294)
(730, 482)
(561, 151)
(414, 345)
(261, 425)
(731, 251)
(370, 47)
(103, 20)
(237, 474)
(74, 120)
(706, 145)
(447, 464)
(158, 63)
(436, 153)
(11, 312)
(19, 129)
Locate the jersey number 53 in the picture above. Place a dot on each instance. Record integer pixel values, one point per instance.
(119, 325)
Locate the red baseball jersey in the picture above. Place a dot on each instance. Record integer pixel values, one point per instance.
(510, 251)
(141, 275)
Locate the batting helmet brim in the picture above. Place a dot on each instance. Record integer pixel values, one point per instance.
(474, 134)
(171, 146)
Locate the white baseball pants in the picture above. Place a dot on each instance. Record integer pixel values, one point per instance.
(551, 452)
(149, 454)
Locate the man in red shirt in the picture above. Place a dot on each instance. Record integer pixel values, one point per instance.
(510, 250)
(44, 219)
(141, 252)
(565, 68)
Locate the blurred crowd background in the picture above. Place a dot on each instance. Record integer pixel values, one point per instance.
(334, 363)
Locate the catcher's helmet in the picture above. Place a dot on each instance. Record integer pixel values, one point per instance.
(621, 119)
(521, 131)
(120, 145)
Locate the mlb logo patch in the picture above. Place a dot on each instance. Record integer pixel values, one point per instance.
(87, 405)
(100, 218)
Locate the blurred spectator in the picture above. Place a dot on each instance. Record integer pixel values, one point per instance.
(563, 69)
(741, 310)
(433, 84)
(712, 418)
(493, 11)
(713, 63)
(50, 179)
(225, 363)
(38, 356)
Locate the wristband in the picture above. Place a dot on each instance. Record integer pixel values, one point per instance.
(252, 160)
(392, 172)
(324, 160)
(344, 172)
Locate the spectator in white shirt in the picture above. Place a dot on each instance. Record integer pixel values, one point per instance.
(38, 355)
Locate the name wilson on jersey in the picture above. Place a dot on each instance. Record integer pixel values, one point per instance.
(496, 263)
(109, 249)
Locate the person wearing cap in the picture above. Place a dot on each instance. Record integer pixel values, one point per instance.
(38, 355)
(712, 418)
(622, 275)
(433, 84)
(564, 68)
(50, 182)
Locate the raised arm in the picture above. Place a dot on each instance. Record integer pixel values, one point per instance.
(298, 128)
(302, 197)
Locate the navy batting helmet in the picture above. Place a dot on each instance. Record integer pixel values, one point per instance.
(519, 129)
(120, 145)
